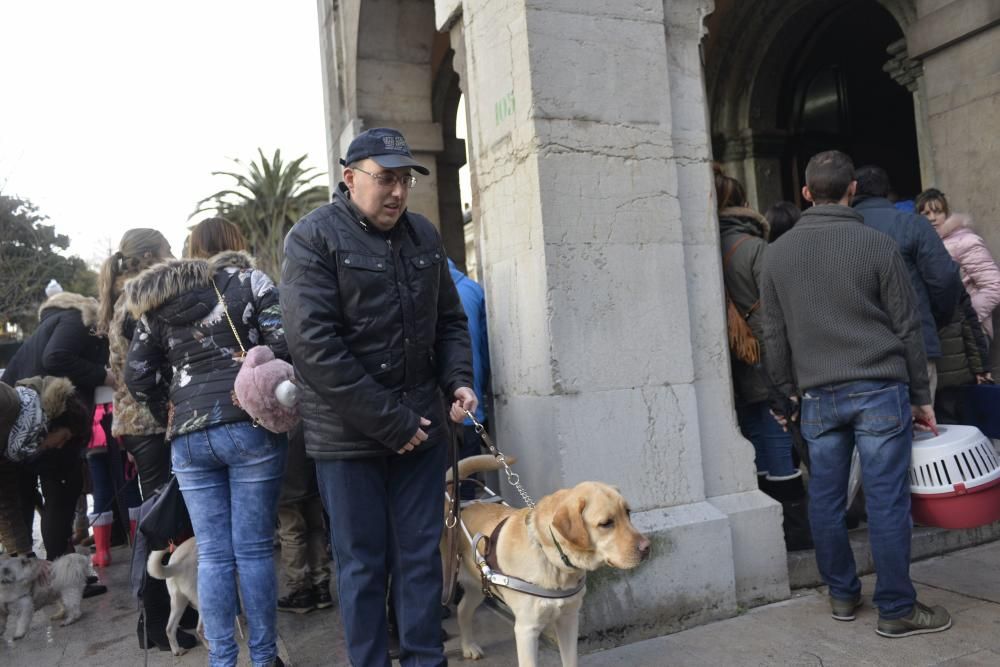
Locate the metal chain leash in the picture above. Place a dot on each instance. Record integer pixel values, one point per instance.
(512, 477)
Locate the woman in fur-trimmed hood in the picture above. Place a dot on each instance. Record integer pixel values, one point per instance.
(66, 344)
(184, 356)
(194, 319)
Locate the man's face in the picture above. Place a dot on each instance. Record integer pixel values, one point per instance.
(380, 204)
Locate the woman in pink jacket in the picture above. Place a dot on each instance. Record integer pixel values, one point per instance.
(980, 272)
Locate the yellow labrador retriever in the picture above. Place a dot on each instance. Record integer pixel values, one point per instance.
(553, 546)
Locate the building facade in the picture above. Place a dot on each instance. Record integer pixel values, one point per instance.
(591, 130)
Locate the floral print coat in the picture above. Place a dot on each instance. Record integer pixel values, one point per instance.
(184, 354)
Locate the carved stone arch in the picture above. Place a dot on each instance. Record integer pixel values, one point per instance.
(749, 53)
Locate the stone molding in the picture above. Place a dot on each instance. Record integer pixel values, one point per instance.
(950, 24)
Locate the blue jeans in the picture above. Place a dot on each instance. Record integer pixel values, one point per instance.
(386, 519)
(772, 446)
(873, 416)
(230, 477)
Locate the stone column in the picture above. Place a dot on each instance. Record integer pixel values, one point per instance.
(602, 266)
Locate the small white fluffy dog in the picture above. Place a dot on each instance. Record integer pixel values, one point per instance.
(181, 575)
(23, 587)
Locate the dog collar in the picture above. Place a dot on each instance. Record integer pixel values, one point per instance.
(562, 554)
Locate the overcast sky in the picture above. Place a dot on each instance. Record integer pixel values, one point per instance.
(116, 112)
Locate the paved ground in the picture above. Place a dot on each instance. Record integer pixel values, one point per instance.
(797, 632)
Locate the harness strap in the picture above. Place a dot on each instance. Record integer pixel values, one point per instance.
(491, 574)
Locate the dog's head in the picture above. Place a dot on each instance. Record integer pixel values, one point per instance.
(15, 570)
(591, 524)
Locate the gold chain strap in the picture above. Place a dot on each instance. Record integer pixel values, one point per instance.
(225, 309)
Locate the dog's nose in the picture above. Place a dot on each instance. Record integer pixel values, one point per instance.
(645, 547)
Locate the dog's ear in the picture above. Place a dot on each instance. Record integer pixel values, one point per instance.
(568, 521)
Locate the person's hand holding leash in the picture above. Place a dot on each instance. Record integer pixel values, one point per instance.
(465, 399)
(419, 437)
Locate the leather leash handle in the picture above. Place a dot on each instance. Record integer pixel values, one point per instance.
(451, 564)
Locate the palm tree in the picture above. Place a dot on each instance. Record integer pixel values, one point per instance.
(265, 202)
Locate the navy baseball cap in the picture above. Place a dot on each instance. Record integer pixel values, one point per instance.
(384, 145)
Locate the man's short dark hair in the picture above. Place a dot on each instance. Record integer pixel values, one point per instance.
(828, 175)
(872, 181)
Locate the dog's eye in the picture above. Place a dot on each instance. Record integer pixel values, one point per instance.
(606, 524)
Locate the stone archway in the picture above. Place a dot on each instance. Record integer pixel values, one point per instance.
(752, 56)
(385, 64)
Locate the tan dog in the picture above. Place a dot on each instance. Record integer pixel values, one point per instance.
(589, 524)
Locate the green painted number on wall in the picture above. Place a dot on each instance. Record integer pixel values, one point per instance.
(504, 107)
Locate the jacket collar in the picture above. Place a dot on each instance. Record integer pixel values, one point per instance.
(748, 220)
(344, 195)
(954, 223)
(160, 283)
(866, 202)
(70, 301)
(828, 213)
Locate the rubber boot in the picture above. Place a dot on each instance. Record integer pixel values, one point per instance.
(791, 493)
(133, 521)
(102, 538)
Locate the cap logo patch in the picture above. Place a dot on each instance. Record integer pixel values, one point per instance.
(395, 144)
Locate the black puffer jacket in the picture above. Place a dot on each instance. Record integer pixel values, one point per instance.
(741, 274)
(64, 345)
(181, 362)
(375, 329)
(964, 350)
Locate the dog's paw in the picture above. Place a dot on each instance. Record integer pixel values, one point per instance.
(471, 651)
(58, 616)
(179, 651)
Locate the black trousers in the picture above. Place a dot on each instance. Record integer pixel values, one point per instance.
(152, 459)
(60, 474)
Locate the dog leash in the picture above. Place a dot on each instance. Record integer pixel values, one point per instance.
(512, 477)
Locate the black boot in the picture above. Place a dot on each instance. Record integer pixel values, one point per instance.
(156, 605)
(791, 493)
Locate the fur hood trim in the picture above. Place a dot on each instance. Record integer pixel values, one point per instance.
(55, 393)
(747, 213)
(160, 283)
(955, 222)
(69, 301)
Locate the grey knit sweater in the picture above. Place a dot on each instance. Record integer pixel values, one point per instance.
(838, 306)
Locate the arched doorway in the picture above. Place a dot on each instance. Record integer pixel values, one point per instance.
(836, 95)
(789, 79)
(386, 64)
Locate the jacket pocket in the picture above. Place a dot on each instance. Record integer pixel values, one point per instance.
(427, 259)
(353, 260)
(376, 363)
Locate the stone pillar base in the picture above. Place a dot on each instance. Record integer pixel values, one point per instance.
(689, 580)
(755, 520)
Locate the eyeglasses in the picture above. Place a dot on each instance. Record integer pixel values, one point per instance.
(389, 179)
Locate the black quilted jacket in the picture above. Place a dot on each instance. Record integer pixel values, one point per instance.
(375, 329)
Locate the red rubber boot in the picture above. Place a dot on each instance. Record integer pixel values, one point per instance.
(102, 538)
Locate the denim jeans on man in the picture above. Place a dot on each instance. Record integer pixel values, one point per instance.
(230, 477)
(875, 417)
(385, 519)
(772, 446)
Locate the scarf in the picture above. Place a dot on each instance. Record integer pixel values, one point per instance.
(29, 429)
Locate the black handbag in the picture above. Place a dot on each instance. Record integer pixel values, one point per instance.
(167, 517)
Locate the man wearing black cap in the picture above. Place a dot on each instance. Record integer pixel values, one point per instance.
(379, 338)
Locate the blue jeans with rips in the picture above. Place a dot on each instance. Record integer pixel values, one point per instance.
(386, 520)
(230, 477)
(772, 446)
(875, 417)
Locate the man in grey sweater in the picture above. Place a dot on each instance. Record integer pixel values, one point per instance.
(842, 336)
